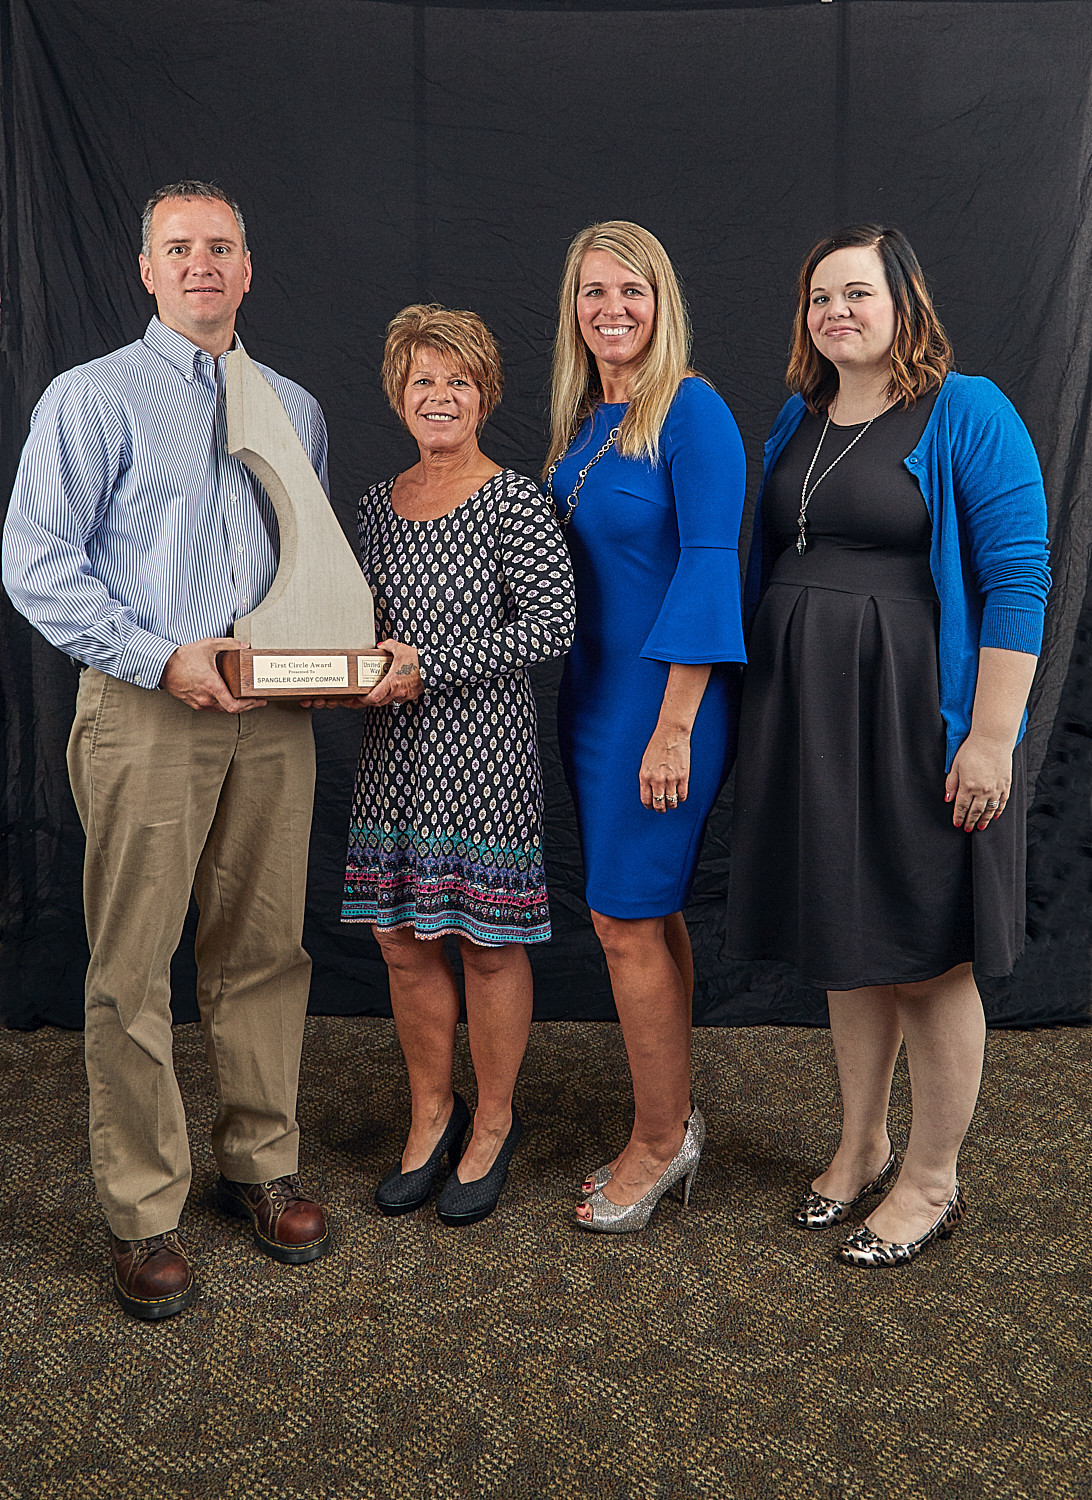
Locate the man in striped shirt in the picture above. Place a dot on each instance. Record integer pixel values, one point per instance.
(133, 541)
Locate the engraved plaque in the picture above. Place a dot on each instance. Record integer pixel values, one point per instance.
(301, 674)
(309, 672)
(369, 669)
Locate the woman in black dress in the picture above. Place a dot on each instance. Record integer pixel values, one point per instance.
(896, 584)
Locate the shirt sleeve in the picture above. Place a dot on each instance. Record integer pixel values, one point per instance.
(700, 619)
(319, 448)
(1001, 499)
(538, 578)
(78, 445)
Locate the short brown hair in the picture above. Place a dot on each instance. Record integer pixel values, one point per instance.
(921, 355)
(189, 188)
(456, 335)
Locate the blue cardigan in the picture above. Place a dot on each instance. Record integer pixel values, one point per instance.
(979, 474)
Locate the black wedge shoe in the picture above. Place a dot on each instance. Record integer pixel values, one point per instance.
(466, 1202)
(401, 1192)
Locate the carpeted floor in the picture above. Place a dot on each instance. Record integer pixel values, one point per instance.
(720, 1355)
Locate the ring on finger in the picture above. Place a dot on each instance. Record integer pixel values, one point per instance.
(673, 801)
(658, 799)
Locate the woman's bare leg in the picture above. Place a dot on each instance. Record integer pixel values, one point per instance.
(498, 1013)
(425, 1003)
(945, 1033)
(655, 1012)
(677, 939)
(864, 1027)
(678, 945)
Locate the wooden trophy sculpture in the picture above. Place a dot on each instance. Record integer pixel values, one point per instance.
(313, 635)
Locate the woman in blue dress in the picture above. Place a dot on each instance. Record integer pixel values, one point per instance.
(646, 469)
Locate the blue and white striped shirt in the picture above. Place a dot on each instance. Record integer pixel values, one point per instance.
(132, 530)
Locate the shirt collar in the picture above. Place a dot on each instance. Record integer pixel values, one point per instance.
(176, 349)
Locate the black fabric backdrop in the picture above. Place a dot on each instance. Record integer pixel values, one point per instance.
(388, 152)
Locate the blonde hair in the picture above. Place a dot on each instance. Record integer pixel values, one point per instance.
(458, 336)
(921, 355)
(576, 387)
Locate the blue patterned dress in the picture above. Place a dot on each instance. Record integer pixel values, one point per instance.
(446, 831)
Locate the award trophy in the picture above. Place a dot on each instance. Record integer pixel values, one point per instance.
(313, 635)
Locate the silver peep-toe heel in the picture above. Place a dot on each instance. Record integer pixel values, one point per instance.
(619, 1218)
(598, 1179)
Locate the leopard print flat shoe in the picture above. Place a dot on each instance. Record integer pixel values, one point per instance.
(817, 1212)
(863, 1248)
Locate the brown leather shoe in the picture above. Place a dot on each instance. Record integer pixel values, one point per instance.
(288, 1223)
(153, 1278)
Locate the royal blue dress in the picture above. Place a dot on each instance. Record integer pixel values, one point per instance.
(654, 551)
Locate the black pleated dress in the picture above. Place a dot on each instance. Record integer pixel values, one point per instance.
(845, 861)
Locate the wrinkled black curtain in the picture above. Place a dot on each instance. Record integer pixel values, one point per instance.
(386, 153)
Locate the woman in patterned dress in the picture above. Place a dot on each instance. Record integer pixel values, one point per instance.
(472, 584)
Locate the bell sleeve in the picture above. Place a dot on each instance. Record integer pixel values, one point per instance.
(700, 619)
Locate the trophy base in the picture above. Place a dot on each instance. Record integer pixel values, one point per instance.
(272, 672)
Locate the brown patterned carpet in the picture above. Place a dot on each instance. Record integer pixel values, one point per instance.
(718, 1356)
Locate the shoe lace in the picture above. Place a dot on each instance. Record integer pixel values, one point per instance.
(286, 1190)
(144, 1250)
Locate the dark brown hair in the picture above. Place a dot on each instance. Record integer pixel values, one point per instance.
(921, 355)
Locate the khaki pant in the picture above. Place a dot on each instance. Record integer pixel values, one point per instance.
(174, 800)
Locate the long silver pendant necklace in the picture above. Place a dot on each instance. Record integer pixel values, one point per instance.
(802, 518)
(574, 499)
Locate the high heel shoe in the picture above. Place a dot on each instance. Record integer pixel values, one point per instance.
(863, 1248)
(598, 1179)
(401, 1192)
(816, 1212)
(462, 1203)
(623, 1218)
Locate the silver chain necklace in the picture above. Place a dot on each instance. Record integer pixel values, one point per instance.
(574, 499)
(802, 518)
